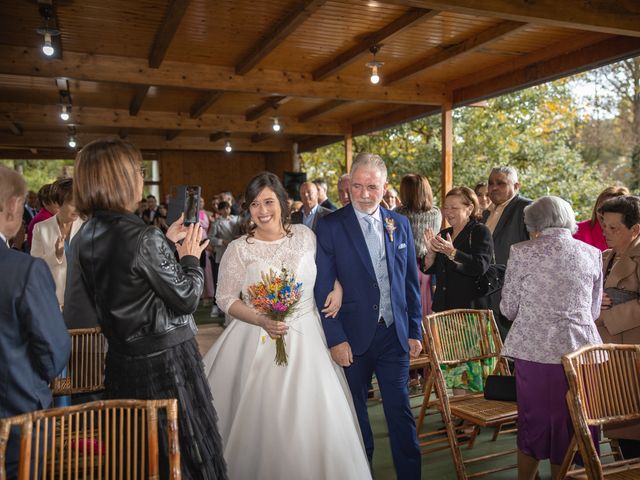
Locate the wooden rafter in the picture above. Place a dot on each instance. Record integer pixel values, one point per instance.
(448, 53)
(320, 110)
(616, 17)
(172, 18)
(108, 68)
(146, 142)
(260, 137)
(171, 134)
(138, 98)
(271, 103)
(387, 32)
(46, 115)
(204, 103)
(277, 34)
(214, 137)
(13, 126)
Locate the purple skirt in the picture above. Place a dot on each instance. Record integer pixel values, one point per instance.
(544, 423)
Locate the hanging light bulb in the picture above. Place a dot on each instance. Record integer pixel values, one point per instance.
(72, 142)
(227, 146)
(276, 126)
(374, 65)
(47, 47)
(64, 113)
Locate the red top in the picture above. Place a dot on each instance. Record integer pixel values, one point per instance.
(42, 215)
(591, 235)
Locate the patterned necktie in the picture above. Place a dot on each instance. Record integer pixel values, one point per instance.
(373, 242)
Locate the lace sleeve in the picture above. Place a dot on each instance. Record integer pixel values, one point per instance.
(231, 276)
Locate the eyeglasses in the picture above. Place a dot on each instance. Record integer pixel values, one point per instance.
(143, 171)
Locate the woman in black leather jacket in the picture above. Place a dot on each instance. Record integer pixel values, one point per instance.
(144, 299)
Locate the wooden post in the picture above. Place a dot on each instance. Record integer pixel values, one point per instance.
(447, 148)
(348, 151)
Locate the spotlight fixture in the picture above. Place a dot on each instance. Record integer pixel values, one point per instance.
(72, 138)
(374, 65)
(276, 125)
(46, 12)
(227, 146)
(64, 112)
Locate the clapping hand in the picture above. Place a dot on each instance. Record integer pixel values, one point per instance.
(60, 247)
(429, 236)
(443, 245)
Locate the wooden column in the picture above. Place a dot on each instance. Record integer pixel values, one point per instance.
(447, 149)
(348, 151)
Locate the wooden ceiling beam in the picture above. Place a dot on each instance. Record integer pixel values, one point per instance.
(204, 103)
(310, 144)
(47, 139)
(614, 17)
(260, 137)
(277, 34)
(171, 134)
(270, 104)
(448, 53)
(39, 115)
(138, 99)
(170, 23)
(108, 68)
(214, 137)
(408, 19)
(320, 110)
(13, 126)
(607, 51)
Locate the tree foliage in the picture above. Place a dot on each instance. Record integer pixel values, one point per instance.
(40, 172)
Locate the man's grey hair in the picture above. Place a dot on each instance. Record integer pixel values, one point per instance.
(370, 160)
(549, 212)
(509, 171)
(344, 176)
(321, 183)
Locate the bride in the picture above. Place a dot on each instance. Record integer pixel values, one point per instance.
(279, 422)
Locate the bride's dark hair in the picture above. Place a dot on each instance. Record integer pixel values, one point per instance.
(256, 185)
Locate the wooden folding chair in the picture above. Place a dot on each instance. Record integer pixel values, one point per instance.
(421, 363)
(604, 389)
(85, 369)
(112, 439)
(455, 337)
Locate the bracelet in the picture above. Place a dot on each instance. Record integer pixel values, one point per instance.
(452, 255)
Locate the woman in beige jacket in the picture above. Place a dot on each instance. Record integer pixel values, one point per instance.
(619, 320)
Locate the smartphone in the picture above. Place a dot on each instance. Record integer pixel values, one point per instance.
(191, 204)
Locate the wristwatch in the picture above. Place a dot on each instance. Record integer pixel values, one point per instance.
(452, 256)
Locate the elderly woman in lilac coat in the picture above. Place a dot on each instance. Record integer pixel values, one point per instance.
(552, 293)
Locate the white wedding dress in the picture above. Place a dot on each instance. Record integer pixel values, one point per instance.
(294, 422)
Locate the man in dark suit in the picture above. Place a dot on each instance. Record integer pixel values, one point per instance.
(151, 211)
(311, 212)
(30, 208)
(323, 199)
(34, 343)
(370, 251)
(505, 219)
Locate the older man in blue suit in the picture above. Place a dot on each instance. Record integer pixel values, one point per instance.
(34, 343)
(370, 250)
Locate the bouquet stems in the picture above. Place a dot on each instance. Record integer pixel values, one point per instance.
(281, 352)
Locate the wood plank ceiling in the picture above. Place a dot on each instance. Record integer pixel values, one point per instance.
(192, 74)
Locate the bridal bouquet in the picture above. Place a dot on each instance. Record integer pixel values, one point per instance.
(276, 296)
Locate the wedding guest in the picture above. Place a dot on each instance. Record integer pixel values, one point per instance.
(311, 211)
(31, 207)
(590, 231)
(323, 199)
(49, 209)
(223, 230)
(267, 410)
(552, 294)
(619, 320)
(343, 190)
(52, 237)
(144, 299)
(390, 199)
(204, 218)
(160, 219)
(457, 256)
(417, 205)
(34, 343)
(482, 192)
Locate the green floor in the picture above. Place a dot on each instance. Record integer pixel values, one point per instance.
(438, 465)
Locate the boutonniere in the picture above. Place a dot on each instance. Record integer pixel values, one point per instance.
(390, 225)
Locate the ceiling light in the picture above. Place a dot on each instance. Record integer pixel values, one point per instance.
(47, 48)
(227, 146)
(276, 126)
(374, 65)
(64, 112)
(72, 142)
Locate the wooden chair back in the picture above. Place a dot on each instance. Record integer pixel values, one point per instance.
(604, 389)
(114, 439)
(463, 335)
(85, 369)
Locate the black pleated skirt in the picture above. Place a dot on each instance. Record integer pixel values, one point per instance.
(178, 373)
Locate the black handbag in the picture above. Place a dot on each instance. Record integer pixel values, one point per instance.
(500, 387)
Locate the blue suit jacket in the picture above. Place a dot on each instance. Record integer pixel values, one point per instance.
(34, 343)
(342, 253)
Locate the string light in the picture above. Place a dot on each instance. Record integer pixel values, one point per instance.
(276, 125)
(374, 65)
(227, 146)
(47, 47)
(64, 112)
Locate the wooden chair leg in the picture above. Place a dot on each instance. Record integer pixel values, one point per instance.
(568, 458)
(496, 432)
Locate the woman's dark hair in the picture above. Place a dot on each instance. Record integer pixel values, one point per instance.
(416, 193)
(44, 194)
(627, 205)
(256, 185)
(478, 186)
(606, 194)
(62, 191)
(468, 198)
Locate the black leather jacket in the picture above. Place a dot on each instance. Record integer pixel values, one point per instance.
(144, 298)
